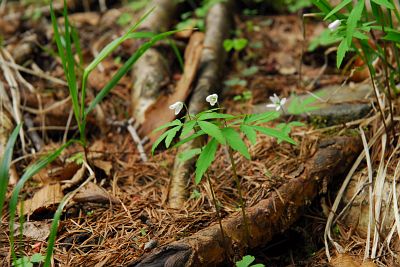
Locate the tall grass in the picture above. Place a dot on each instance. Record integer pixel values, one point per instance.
(65, 40)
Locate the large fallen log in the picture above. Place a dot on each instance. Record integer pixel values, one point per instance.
(218, 25)
(266, 219)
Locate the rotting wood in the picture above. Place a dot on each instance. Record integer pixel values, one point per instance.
(267, 218)
(218, 26)
(157, 115)
(151, 72)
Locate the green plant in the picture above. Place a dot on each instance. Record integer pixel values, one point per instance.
(26, 261)
(370, 35)
(195, 18)
(247, 261)
(219, 129)
(245, 96)
(237, 44)
(65, 40)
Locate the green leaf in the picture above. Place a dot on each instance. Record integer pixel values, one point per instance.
(262, 117)
(188, 154)
(384, 3)
(212, 130)
(158, 141)
(187, 128)
(235, 141)
(352, 21)
(337, 8)
(341, 52)
(37, 257)
(5, 166)
(168, 124)
(214, 115)
(205, 159)
(228, 45)
(240, 44)
(245, 261)
(190, 138)
(274, 133)
(392, 36)
(171, 134)
(250, 133)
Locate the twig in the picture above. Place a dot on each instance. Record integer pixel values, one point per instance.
(138, 141)
(36, 140)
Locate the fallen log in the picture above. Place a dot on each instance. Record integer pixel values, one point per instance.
(151, 72)
(218, 26)
(266, 219)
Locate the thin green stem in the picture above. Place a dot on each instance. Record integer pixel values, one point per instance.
(242, 203)
(387, 83)
(217, 210)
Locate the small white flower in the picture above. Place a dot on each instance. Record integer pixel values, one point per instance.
(177, 106)
(334, 25)
(277, 103)
(212, 99)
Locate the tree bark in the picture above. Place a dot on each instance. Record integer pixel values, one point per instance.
(266, 219)
(151, 72)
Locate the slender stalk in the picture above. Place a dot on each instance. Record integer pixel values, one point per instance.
(387, 81)
(217, 210)
(371, 73)
(242, 203)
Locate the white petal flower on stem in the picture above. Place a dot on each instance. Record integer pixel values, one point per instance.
(334, 25)
(212, 99)
(177, 106)
(277, 103)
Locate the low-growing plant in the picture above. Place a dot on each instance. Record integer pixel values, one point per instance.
(219, 129)
(247, 261)
(66, 40)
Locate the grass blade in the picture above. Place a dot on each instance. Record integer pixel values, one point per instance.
(125, 68)
(5, 166)
(31, 170)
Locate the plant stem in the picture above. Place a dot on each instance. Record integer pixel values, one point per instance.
(217, 212)
(242, 203)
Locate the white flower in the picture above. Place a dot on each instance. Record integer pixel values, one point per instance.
(177, 106)
(334, 25)
(277, 103)
(212, 99)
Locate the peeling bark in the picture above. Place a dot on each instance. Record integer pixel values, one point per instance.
(266, 219)
(218, 25)
(151, 72)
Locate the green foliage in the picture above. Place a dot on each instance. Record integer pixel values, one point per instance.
(124, 19)
(247, 261)
(5, 166)
(300, 106)
(246, 95)
(195, 18)
(26, 261)
(237, 44)
(223, 129)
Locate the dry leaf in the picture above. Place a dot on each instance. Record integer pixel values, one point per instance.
(46, 198)
(106, 166)
(38, 231)
(93, 193)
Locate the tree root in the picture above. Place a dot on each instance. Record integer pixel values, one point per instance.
(266, 219)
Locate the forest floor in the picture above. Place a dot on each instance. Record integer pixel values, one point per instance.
(123, 213)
